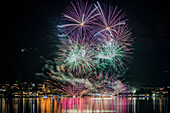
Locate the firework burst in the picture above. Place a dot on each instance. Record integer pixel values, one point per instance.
(80, 18)
(108, 21)
(123, 36)
(107, 83)
(112, 54)
(77, 55)
(71, 85)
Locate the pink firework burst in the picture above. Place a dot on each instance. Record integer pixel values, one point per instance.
(108, 83)
(123, 36)
(110, 18)
(79, 17)
(73, 89)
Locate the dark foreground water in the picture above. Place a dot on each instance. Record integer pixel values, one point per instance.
(84, 105)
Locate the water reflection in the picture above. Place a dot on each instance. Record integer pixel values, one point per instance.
(84, 105)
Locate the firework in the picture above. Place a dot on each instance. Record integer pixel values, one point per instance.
(79, 18)
(109, 19)
(68, 83)
(107, 83)
(112, 54)
(76, 55)
(122, 37)
(95, 38)
(119, 87)
(73, 90)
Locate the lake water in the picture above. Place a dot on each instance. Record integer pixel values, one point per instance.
(84, 105)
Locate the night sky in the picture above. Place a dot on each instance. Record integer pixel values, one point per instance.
(30, 32)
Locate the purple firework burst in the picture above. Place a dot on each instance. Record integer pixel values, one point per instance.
(80, 17)
(110, 18)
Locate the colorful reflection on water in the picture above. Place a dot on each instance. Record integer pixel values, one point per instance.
(84, 105)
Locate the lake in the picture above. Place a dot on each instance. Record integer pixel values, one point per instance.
(84, 105)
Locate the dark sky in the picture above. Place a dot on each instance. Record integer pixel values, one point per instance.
(30, 27)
